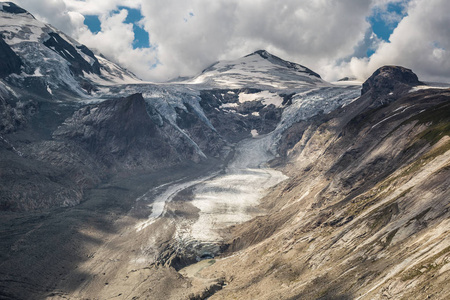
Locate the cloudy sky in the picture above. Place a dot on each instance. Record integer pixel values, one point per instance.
(162, 39)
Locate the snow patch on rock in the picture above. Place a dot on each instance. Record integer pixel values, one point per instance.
(266, 97)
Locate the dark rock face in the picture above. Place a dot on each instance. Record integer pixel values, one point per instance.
(27, 184)
(122, 135)
(235, 121)
(13, 8)
(77, 63)
(14, 116)
(389, 79)
(9, 61)
(205, 137)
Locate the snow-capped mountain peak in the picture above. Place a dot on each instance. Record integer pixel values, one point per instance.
(283, 63)
(259, 68)
(49, 59)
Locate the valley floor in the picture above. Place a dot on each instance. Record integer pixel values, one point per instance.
(131, 234)
(75, 252)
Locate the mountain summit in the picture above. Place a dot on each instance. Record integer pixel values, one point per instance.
(44, 58)
(258, 69)
(12, 8)
(284, 63)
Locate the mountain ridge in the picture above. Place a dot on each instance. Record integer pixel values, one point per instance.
(275, 59)
(259, 68)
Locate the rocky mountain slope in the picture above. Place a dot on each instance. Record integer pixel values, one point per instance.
(364, 214)
(255, 179)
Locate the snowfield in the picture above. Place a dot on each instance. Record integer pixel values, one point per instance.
(267, 98)
(257, 70)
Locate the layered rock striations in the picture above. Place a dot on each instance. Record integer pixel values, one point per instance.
(365, 212)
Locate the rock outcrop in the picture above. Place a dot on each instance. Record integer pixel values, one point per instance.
(388, 83)
(10, 62)
(77, 63)
(121, 134)
(235, 120)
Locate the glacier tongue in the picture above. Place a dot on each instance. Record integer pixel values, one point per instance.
(232, 198)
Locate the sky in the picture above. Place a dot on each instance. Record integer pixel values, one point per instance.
(160, 40)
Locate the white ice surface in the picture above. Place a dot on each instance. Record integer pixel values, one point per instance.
(228, 199)
(427, 87)
(265, 97)
(229, 105)
(159, 203)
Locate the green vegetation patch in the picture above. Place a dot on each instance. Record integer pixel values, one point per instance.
(427, 266)
(435, 132)
(437, 114)
(438, 117)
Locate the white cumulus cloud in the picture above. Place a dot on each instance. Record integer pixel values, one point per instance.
(421, 42)
(329, 36)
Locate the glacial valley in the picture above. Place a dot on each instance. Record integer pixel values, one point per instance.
(255, 179)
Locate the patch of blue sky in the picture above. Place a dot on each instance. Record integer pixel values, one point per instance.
(370, 52)
(437, 45)
(384, 21)
(93, 23)
(155, 64)
(141, 37)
